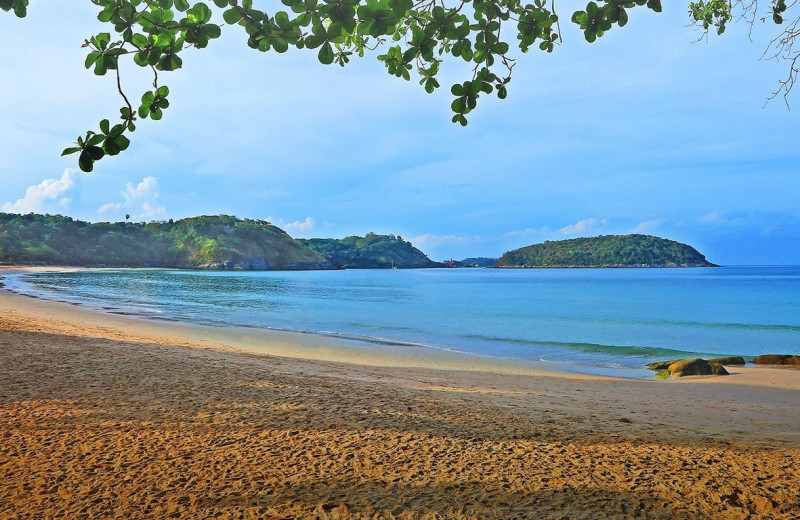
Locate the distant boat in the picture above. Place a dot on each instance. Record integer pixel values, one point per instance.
(393, 267)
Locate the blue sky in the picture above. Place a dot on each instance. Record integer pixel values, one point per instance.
(643, 131)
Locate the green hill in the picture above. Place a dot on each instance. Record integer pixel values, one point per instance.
(208, 242)
(606, 251)
(480, 261)
(371, 252)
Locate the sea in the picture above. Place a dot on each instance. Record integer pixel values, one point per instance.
(606, 321)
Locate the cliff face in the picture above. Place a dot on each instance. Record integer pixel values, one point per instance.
(606, 251)
(209, 242)
(371, 252)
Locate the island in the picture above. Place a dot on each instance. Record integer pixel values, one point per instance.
(372, 251)
(479, 261)
(606, 251)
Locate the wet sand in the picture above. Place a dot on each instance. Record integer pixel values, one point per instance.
(109, 417)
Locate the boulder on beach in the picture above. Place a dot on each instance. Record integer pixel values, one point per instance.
(661, 365)
(777, 359)
(666, 365)
(730, 360)
(696, 367)
(693, 367)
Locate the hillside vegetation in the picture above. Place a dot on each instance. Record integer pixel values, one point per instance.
(479, 261)
(606, 251)
(210, 242)
(371, 252)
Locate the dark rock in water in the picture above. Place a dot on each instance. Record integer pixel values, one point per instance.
(661, 365)
(777, 359)
(696, 367)
(730, 360)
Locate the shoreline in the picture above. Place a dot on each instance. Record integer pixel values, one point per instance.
(106, 416)
(321, 346)
(271, 342)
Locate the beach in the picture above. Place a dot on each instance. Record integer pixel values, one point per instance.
(108, 416)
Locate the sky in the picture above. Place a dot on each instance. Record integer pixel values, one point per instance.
(644, 131)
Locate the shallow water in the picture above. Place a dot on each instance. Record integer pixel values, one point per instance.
(585, 319)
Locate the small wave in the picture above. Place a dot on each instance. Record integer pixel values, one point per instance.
(378, 340)
(627, 350)
(788, 327)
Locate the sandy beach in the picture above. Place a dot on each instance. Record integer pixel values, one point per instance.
(107, 416)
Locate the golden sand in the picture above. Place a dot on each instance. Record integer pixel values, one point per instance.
(106, 418)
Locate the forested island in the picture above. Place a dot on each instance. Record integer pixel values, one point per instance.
(372, 251)
(207, 242)
(479, 261)
(606, 251)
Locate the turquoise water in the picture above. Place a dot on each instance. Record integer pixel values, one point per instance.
(590, 318)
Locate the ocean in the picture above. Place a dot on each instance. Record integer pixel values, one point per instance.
(586, 320)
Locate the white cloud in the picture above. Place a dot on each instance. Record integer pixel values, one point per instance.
(140, 201)
(528, 231)
(109, 208)
(298, 228)
(430, 240)
(711, 218)
(648, 225)
(47, 195)
(583, 226)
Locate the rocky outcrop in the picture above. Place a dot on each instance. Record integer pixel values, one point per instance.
(693, 367)
(729, 360)
(309, 266)
(696, 367)
(661, 365)
(777, 359)
(263, 265)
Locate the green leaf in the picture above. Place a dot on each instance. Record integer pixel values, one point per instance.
(200, 13)
(140, 40)
(326, 54)
(122, 142)
(232, 16)
(94, 140)
(95, 152)
(85, 162)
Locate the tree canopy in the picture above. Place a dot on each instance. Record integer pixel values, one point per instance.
(414, 36)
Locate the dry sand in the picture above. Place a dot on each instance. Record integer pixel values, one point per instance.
(108, 417)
